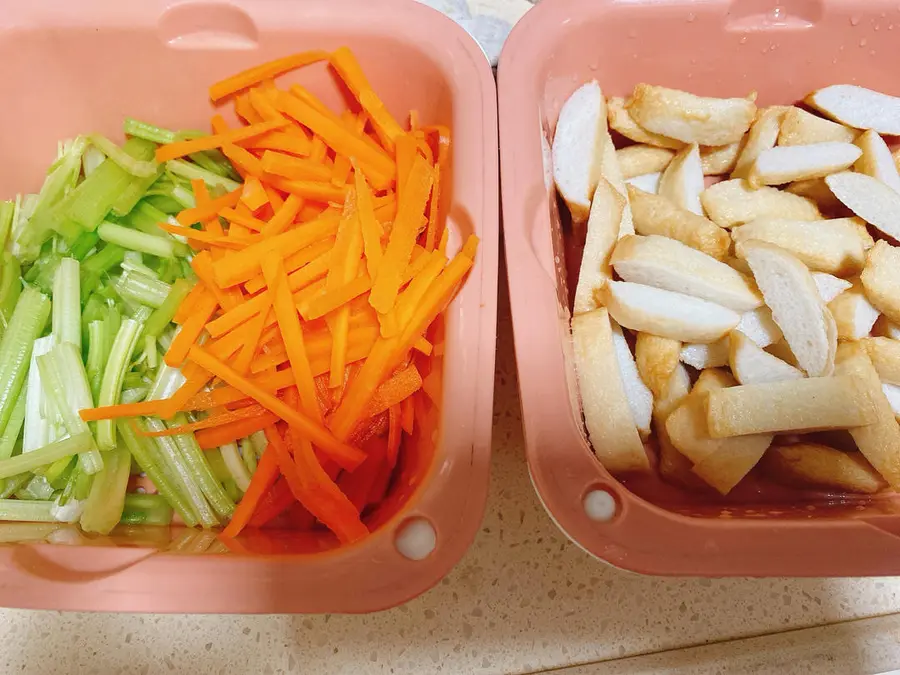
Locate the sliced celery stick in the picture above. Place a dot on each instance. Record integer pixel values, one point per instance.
(7, 211)
(127, 161)
(135, 240)
(10, 486)
(143, 509)
(248, 455)
(10, 287)
(168, 450)
(149, 132)
(60, 471)
(106, 500)
(111, 384)
(191, 171)
(164, 314)
(199, 467)
(13, 429)
(37, 488)
(168, 380)
(235, 466)
(134, 395)
(88, 204)
(37, 429)
(91, 159)
(29, 461)
(85, 243)
(184, 197)
(105, 259)
(66, 319)
(26, 510)
(143, 289)
(158, 470)
(134, 192)
(27, 323)
(98, 353)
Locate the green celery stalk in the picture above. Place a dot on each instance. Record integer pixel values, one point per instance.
(7, 211)
(13, 429)
(48, 454)
(65, 381)
(27, 323)
(163, 315)
(167, 381)
(10, 486)
(146, 214)
(157, 468)
(235, 465)
(85, 243)
(143, 509)
(200, 469)
(106, 500)
(38, 430)
(206, 160)
(165, 204)
(60, 471)
(66, 315)
(98, 353)
(143, 289)
(134, 193)
(10, 286)
(248, 455)
(105, 259)
(134, 395)
(88, 204)
(136, 240)
(126, 160)
(91, 159)
(26, 510)
(111, 384)
(147, 131)
(184, 197)
(184, 169)
(38, 488)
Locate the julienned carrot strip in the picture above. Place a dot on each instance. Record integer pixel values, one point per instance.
(234, 431)
(241, 266)
(331, 300)
(276, 201)
(410, 298)
(317, 191)
(248, 349)
(260, 103)
(189, 303)
(200, 214)
(347, 456)
(387, 353)
(109, 412)
(321, 365)
(379, 167)
(372, 231)
(248, 221)
(253, 196)
(225, 395)
(313, 488)
(181, 148)
(405, 154)
(358, 485)
(291, 332)
(319, 347)
(245, 163)
(263, 478)
(244, 109)
(445, 237)
(394, 434)
(293, 168)
(265, 71)
(435, 222)
(228, 298)
(205, 237)
(399, 387)
(283, 217)
(281, 141)
(190, 330)
(407, 416)
(343, 164)
(403, 236)
(220, 419)
(276, 501)
(352, 74)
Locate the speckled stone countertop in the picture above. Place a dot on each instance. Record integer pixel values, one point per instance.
(524, 599)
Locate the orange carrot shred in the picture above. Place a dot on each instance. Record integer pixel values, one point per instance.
(248, 349)
(405, 154)
(181, 148)
(231, 432)
(284, 216)
(253, 196)
(281, 141)
(190, 330)
(294, 168)
(244, 109)
(199, 213)
(332, 300)
(220, 419)
(407, 416)
(394, 433)
(265, 71)
(263, 478)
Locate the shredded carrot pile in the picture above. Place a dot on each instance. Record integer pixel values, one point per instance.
(319, 280)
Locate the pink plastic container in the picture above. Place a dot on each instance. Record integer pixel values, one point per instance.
(81, 67)
(781, 48)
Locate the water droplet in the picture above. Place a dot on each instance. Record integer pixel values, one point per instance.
(773, 47)
(593, 67)
(877, 26)
(841, 48)
(693, 62)
(872, 52)
(743, 40)
(890, 26)
(632, 34)
(863, 42)
(764, 50)
(778, 13)
(691, 17)
(833, 61)
(854, 20)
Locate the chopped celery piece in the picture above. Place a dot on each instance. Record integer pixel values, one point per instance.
(10, 486)
(168, 449)
(13, 429)
(85, 243)
(134, 395)
(136, 240)
(111, 384)
(179, 167)
(27, 323)
(159, 470)
(60, 471)
(38, 430)
(134, 193)
(248, 455)
(104, 259)
(99, 345)
(91, 159)
(214, 161)
(168, 380)
(165, 204)
(88, 204)
(106, 500)
(139, 313)
(141, 509)
(68, 511)
(66, 319)
(134, 263)
(127, 161)
(27, 234)
(29, 461)
(184, 197)
(65, 381)
(26, 510)
(10, 287)
(164, 314)
(232, 490)
(150, 356)
(146, 214)
(199, 467)
(7, 211)
(132, 380)
(38, 488)
(143, 289)
(42, 272)
(236, 467)
(149, 132)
